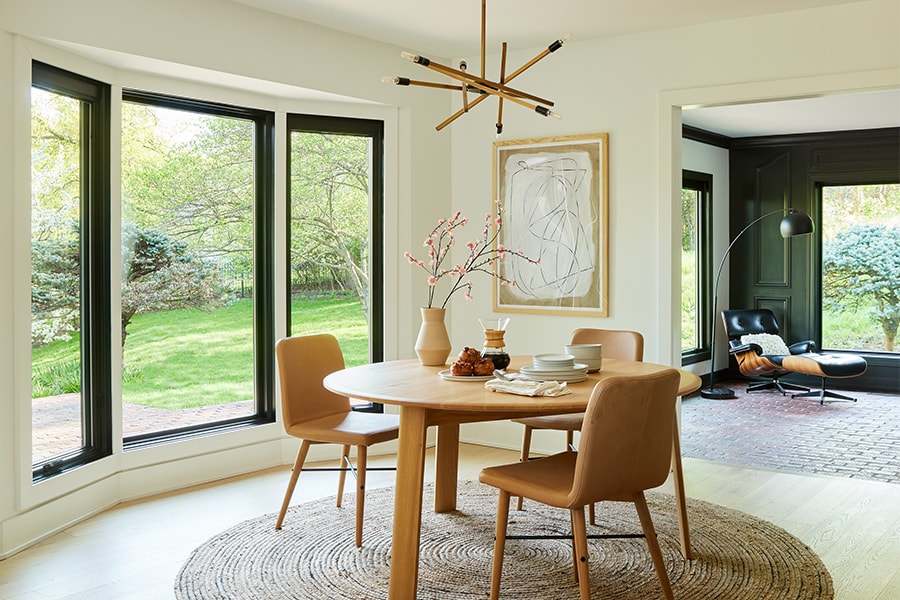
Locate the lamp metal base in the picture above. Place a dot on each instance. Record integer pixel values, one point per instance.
(718, 394)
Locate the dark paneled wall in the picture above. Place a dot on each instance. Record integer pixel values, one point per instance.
(781, 172)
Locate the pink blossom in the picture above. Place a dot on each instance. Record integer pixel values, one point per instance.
(482, 256)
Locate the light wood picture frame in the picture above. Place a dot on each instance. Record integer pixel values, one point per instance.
(555, 194)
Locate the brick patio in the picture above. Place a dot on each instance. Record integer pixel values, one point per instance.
(767, 430)
(56, 421)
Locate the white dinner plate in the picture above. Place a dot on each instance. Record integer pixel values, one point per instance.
(576, 368)
(447, 375)
(572, 378)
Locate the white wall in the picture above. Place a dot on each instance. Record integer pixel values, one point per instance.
(626, 86)
(704, 158)
(633, 87)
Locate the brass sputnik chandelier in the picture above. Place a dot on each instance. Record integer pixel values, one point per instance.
(480, 85)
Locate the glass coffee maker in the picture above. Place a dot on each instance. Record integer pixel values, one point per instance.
(494, 346)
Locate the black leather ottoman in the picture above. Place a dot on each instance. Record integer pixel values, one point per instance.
(835, 366)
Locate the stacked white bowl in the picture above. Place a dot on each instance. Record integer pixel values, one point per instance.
(589, 354)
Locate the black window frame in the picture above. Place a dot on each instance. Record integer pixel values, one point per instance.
(263, 265)
(94, 232)
(702, 183)
(374, 130)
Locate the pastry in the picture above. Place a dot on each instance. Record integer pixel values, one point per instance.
(484, 366)
(460, 368)
(469, 355)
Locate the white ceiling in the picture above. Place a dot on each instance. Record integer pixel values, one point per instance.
(452, 29)
(840, 112)
(445, 29)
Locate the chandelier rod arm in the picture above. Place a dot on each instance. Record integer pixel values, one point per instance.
(551, 48)
(488, 85)
(502, 80)
(445, 86)
(541, 110)
(483, 30)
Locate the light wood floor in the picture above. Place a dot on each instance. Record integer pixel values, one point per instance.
(135, 550)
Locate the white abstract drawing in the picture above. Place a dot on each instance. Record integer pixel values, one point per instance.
(550, 192)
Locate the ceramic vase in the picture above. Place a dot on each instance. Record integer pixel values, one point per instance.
(433, 343)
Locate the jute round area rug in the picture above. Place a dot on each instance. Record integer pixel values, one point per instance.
(736, 556)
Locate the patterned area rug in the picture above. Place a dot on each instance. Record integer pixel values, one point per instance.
(737, 556)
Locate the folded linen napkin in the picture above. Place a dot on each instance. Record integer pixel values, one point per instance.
(528, 388)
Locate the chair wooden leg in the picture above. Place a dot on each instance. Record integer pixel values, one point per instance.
(523, 457)
(574, 549)
(593, 514)
(292, 483)
(680, 501)
(650, 534)
(579, 535)
(570, 440)
(361, 452)
(499, 543)
(345, 464)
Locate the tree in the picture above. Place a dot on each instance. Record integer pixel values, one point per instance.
(161, 274)
(330, 206)
(863, 264)
(55, 307)
(55, 207)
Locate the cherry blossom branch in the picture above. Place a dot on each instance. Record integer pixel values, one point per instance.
(483, 255)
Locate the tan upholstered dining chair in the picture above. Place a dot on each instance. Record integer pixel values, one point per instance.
(318, 416)
(625, 448)
(620, 344)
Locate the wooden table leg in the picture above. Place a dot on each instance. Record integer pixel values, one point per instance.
(446, 467)
(408, 504)
(680, 501)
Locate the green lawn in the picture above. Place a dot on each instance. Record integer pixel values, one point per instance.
(186, 358)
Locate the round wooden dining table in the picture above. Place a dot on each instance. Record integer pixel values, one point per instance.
(426, 399)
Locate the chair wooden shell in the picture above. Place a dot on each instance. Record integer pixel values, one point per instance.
(625, 449)
(317, 416)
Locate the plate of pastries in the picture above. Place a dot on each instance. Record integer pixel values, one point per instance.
(469, 366)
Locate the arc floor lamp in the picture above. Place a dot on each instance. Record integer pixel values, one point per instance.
(794, 224)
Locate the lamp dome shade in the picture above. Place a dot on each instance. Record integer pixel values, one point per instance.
(796, 223)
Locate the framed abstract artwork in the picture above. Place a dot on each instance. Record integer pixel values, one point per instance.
(554, 193)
